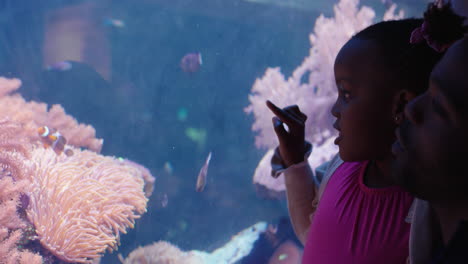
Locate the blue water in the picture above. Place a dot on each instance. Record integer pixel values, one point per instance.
(128, 84)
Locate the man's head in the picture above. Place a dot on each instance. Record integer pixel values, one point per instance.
(432, 146)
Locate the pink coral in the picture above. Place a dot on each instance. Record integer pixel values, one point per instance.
(31, 115)
(79, 205)
(161, 252)
(13, 184)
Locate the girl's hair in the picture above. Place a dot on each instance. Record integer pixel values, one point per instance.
(413, 63)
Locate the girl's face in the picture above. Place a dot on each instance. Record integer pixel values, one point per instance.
(365, 108)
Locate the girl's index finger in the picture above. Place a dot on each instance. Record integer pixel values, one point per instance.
(276, 110)
(284, 116)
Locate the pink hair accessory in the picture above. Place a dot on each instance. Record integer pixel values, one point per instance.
(421, 34)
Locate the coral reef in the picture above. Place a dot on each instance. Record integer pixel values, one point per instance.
(80, 204)
(163, 252)
(60, 208)
(267, 186)
(13, 185)
(31, 115)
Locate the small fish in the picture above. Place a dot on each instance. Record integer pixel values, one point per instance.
(68, 152)
(164, 201)
(282, 257)
(168, 167)
(196, 135)
(50, 137)
(114, 22)
(272, 228)
(201, 179)
(191, 62)
(60, 66)
(182, 114)
(160, 200)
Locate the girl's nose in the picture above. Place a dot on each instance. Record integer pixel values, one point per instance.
(334, 110)
(414, 110)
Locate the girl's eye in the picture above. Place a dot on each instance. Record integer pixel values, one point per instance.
(346, 95)
(343, 93)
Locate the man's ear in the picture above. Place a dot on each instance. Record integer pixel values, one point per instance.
(401, 99)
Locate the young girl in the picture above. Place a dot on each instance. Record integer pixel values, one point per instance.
(362, 216)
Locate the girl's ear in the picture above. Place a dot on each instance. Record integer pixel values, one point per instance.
(401, 100)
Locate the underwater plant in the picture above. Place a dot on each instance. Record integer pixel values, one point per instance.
(55, 206)
(163, 252)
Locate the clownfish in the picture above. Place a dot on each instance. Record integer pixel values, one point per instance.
(50, 137)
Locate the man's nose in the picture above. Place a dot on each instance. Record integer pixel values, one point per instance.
(414, 109)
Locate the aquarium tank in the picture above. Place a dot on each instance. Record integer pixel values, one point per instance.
(136, 131)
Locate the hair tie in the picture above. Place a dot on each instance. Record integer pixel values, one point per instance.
(422, 33)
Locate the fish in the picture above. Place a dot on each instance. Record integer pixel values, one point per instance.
(68, 152)
(201, 179)
(164, 200)
(114, 22)
(196, 135)
(50, 137)
(273, 228)
(191, 62)
(182, 114)
(282, 257)
(60, 66)
(168, 167)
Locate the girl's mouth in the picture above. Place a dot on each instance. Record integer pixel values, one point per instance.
(338, 139)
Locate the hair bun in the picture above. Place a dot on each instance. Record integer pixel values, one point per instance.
(442, 26)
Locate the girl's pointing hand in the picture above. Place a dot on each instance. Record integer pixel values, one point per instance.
(291, 140)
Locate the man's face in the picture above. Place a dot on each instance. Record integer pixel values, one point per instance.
(432, 143)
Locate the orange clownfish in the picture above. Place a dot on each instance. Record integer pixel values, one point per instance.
(50, 137)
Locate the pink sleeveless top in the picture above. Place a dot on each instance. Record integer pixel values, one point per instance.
(357, 224)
